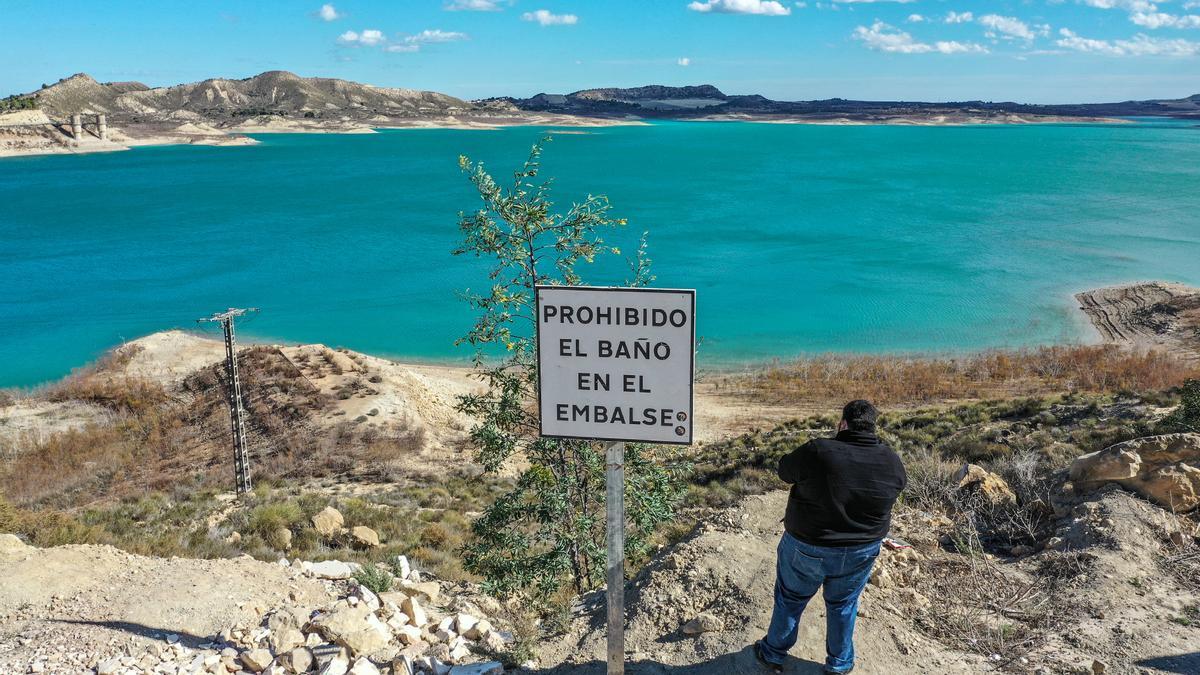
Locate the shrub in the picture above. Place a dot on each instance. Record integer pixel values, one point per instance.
(1187, 416)
(375, 578)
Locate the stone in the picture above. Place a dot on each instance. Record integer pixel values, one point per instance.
(881, 578)
(256, 660)
(403, 568)
(366, 596)
(298, 660)
(285, 640)
(488, 668)
(403, 665)
(363, 667)
(332, 660)
(476, 631)
(108, 666)
(1164, 469)
(330, 569)
(234, 538)
(1178, 538)
(705, 622)
(328, 522)
(355, 628)
(364, 537)
(427, 591)
(496, 641)
(1021, 550)
(464, 622)
(1099, 667)
(975, 479)
(416, 614)
(284, 537)
(408, 635)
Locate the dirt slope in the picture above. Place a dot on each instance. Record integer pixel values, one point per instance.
(1104, 590)
(728, 568)
(72, 604)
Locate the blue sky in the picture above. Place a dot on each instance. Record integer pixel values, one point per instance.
(1045, 51)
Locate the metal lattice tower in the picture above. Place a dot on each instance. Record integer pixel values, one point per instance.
(241, 457)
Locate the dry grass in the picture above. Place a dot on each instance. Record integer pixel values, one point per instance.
(896, 380)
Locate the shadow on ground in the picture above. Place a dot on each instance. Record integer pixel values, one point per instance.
(1179, 663)
(150, 632)
(736, 663)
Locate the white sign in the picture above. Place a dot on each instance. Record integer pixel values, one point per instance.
(616, 364)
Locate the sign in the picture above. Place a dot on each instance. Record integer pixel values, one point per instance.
(616, 364)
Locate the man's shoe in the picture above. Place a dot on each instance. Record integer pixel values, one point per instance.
(829, 671)
(775, 667)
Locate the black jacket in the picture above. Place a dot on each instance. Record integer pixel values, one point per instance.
(843, 489)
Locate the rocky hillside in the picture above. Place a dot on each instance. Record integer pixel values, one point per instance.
(706, 100)
(275, 92)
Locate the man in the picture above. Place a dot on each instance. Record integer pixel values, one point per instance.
(838, 513)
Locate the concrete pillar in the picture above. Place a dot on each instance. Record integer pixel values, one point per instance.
(102, 126)
(77, 127)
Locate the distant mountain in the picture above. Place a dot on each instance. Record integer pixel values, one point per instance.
(707, 100)
(274, 92)
(282, 101)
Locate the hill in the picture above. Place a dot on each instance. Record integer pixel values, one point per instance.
(708, 102)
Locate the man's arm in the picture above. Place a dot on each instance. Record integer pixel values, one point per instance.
(794, 465)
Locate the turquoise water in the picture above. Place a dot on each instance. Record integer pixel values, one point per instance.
(799, 239)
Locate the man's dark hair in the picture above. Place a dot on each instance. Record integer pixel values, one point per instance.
(860, 415)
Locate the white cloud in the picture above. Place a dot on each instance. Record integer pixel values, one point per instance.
(410, 43)
(428, 36)
(1140, 45)
(763, 7)
(684, 61)
(882, 37)
(959, 17)
(1145, 13)
(329, 13)
(856, 2)
(1006, 27)
(1154, 20)
(473, 6)
(546, 18)
(915, 18)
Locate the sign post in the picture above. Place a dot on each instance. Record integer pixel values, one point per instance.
(616, 365)
(614, 505)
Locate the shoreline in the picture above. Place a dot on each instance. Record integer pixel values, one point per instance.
(1140, 315)
(202, 134)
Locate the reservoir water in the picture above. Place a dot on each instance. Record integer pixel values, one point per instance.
(799, 239)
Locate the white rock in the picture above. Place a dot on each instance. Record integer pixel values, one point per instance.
(464, 622)
(489, 668)
(403, 567)
(412, 607)
(363, 667)
(330, 569)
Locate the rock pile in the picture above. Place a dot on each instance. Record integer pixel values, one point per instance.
(416, 628)
(1164, 469)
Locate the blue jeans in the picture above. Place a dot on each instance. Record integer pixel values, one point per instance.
(800, 570)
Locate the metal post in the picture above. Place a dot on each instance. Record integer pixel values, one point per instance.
(241, 453)
(615, 507)
(241, 464)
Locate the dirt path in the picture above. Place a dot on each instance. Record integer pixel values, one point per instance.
(72, 605)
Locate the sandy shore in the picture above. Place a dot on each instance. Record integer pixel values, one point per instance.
(49, 139)
(1149, 315)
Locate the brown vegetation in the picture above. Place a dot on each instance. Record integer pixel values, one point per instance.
(898, 380)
